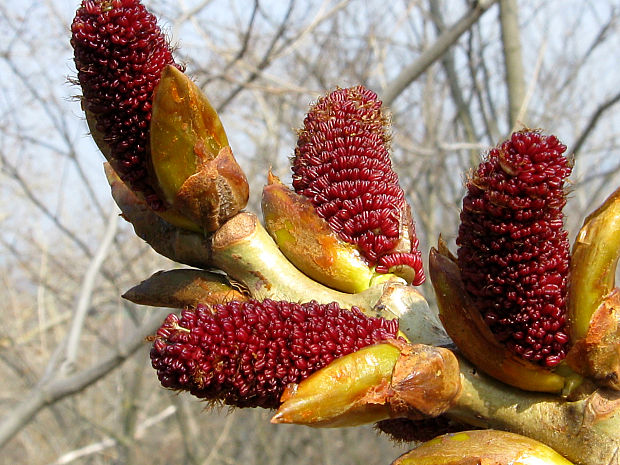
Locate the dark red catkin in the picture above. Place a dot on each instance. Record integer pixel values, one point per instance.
(119, 53)
(342, 165)
(244, 354)
(513, 250)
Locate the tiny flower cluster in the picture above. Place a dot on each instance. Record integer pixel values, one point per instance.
(245, 353)
(342, 165)
(119, 53)
(513, 250)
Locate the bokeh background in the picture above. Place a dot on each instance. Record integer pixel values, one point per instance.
(76, 384)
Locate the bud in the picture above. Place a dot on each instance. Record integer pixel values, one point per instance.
(490, 447)
(128, 75)
(181, 288)
(245, 353)
(513, 250)
(342, 167)
(309, 243)
(350, 391)
(389, 380)
(594, 301)
(194, 167)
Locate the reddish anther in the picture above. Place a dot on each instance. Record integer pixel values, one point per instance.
(513, 251)
(342, 165)
(119, 53)
(244, 354)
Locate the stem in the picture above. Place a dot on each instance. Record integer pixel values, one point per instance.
(177, 244)
(244, 250)
(586, 431)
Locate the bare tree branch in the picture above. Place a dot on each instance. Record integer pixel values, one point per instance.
(242, 49)
(481, 87)
(520, 119)
(57, 389)
(604, 33)
(106, 443)
(513, 62)
(86, 292)
(447, 61)
(434, 52)
(264, 62)
(602, 108)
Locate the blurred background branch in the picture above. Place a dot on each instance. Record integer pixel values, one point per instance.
(455, 80)
(511, 42)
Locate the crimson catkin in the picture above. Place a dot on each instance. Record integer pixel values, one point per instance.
(342, 165)
(119, 53)
(513, 249)
(245, 353)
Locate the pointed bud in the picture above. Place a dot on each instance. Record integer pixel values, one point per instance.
(513, 250)
(490, 447)
(183, 288)
(386, 380)
(309, 243)
(194, 167)
(342, 166)
(594, 302)
(350, 391)
(245, 353)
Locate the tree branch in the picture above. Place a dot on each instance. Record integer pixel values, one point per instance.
(86, 292)
(447, 61)
(57, 389)
(434, 52)
(603, 107)
(511, 42)
(265, 61)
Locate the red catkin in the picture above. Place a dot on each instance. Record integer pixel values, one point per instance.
(342, 165)
(245, 353)
(513, 250)
(119, 53)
